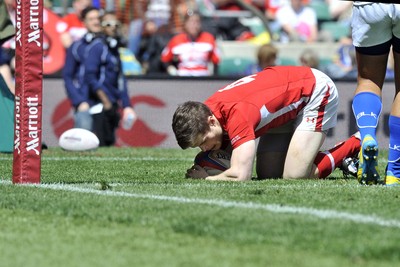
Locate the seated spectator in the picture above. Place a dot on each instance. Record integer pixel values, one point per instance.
(180, 12)
(298, 22)
(190, 53)
(270, 9)
(344, 64)
(149, 31)
(267, 55)
(152, 49)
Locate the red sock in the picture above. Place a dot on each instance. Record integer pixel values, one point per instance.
(327, 161)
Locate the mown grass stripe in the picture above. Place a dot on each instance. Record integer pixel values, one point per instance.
(275, 208)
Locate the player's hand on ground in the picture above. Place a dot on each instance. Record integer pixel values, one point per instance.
(196, 172)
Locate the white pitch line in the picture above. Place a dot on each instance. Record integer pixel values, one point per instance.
(274, 208)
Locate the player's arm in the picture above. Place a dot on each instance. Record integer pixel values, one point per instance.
(241, 164)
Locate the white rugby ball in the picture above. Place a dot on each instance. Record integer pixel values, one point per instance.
(77, 139)
(213, 161)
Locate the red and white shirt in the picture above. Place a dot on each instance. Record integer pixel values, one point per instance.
(250, 106)
(193, 55)
(74, 25)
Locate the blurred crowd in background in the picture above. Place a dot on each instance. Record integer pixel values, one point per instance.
(182, 37)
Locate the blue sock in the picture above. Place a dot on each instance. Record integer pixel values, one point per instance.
(367, 108)
(394, 145)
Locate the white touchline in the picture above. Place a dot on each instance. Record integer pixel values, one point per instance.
(276, 208)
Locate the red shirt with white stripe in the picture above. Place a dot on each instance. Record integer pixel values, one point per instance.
(250, 106)
(193, 55)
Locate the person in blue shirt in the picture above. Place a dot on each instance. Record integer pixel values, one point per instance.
(105, 78)
(73, 72)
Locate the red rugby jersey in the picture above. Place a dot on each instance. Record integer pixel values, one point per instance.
(250, 106)
(193, 55)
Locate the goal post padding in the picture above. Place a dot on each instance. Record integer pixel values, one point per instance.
(28, 91)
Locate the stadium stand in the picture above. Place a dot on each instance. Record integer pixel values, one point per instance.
(322, 10)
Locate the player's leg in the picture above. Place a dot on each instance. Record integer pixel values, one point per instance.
(372, 37)
(327, 161)
(271, 152)
(302, 151)
(393, 169)
(317, 117)
(367, 106)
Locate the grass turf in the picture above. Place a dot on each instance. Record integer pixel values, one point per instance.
(132, 207)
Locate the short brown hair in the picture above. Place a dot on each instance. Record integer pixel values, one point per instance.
(189, 121)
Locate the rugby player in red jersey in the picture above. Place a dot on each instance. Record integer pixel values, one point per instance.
(290, 108)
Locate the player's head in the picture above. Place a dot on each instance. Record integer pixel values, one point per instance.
(194, 125)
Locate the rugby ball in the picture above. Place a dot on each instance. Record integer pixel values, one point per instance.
(213, 161)
(77, 139)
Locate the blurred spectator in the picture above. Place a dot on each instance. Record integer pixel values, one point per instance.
(137, 26)
(73, 72)
(224, 27)
(7, 85)
(7, 29)
(298, 22)
(151, 59)
(271, 7)
(104, 76)
(7, 50)
(74, 28)
(7, 69)
(134, 13)
(309, 58)
(191, 52)
(267, 56)
(149, 32)
(344, 65)
(9, 44)
(180, 11)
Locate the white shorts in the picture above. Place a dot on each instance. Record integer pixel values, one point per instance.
(374, 23)
(320, 113)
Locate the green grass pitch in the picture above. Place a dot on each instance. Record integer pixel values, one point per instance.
(132, 207)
